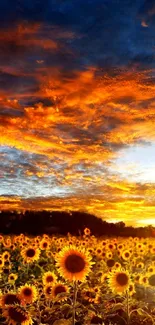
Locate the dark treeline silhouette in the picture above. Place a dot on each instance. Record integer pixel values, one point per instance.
(56, 222)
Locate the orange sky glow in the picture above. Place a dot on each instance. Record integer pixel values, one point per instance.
(72, 141)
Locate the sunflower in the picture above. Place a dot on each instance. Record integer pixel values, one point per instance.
(87, 231)
(103, 243)
(110, 247)
(6, 255)
(44, 244)
(131, 289)
(59, 290)
(12, 277)
(73, 264)
(48, 291)
(109, 255)
(49, 277)
(89, 294)
(104, 278)
(151, 269)
(140, 265)
(120, 247)
(1, 262)
(98, 251)
(110, 262)
(117, 265)
(126, 254)
(7, 242)
(152, 250)
(119, 281)
(144, 280)
(28, 293)
(137, 278)
(30, 254)
(17, 315)
(10, 298)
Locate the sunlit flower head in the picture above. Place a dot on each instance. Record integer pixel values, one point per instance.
(10, 298)
(6, 255)
(137, 277)
(89, 294)
(117, 265)
(87, 231)
(17, 315)
(131, 289)
(73, 264)
(59, 291)
(119, 281)
(126, 254)
(28, 293)
(140, 265)
(49, 278)
(44, 244)
(30, 254)
(48, 291)
(12, 277)
(144, 280)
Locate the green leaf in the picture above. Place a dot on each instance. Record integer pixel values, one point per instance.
(119, 305)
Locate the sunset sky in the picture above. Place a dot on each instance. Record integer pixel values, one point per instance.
(77, 107)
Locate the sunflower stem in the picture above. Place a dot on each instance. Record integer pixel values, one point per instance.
(74, 301)
(128, 315)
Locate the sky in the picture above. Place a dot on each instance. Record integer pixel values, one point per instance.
(77, 107)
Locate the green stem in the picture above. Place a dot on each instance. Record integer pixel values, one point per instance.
(74, 302)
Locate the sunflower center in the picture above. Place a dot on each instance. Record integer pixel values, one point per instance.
(27, 292)
(12, 277)
(96, 320)
(74, 263)
(30, 252)
(17, 315)
(59, 289)
(44, 244)
(90, 294)
(122, 279)
(110, 263)
(49, 278)
(152, 280)
(11, 299)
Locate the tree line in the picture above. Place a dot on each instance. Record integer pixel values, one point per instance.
(57, 222)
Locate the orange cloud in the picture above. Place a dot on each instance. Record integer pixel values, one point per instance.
(90, 116)
(110, 205)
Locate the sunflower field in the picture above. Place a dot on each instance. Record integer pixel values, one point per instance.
(54, 280)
